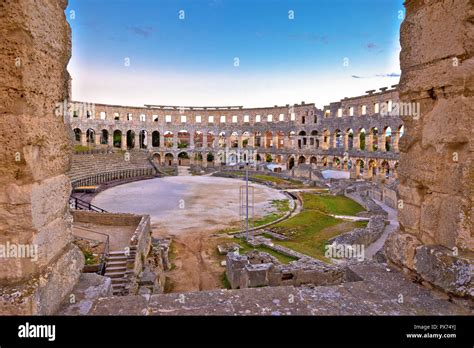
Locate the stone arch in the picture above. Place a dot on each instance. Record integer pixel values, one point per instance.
(156, 158)
(77, 134)
(90, 134)
(130, 139)
(373, 139)
(198, 139)
(387, 139)
(169, 158)
(104, 136)
(313, 160)
(117, 138)
(184, 139)
(349, 139)
(183, 158)
(338, 139)
(291, 162)
(169, 139)
(326, 139)
(324, 161)
(301, 160)
(143, 139)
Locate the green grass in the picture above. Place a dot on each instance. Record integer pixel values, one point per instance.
(282, 207)
(337, 205)
(245, 248)
(310, 230)
(81, 148)
(224, 281)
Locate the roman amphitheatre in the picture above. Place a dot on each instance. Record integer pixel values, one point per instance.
(360, 207)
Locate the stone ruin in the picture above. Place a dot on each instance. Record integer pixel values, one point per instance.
(257, 269)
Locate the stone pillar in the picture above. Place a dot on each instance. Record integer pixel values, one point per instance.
(137, 140)
(123, 141)
(275, 141)
(83, 139)
(97, 136)
(204, 143)
(285, 141)
(395, 140)
(381, 143)
(435, 191)
(110, 139)
(175, 142)
(240, 140)
(34, 191)
(252, 140)
(162, 139)
(356, 142)
(191, 140)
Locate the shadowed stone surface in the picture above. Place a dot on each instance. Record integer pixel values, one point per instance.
(378, 294)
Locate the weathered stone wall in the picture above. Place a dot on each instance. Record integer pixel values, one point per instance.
(436, 238)
(35, 147)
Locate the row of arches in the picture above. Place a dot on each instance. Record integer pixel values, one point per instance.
(372, 139)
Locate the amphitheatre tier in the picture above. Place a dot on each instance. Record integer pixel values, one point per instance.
(184, 204)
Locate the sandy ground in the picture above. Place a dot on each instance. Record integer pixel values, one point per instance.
(188, 209)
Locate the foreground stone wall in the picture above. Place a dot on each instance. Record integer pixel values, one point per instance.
(436, 238)
(35, 147)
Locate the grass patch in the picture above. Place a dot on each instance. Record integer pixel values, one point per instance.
(337, 205)
(310, 230)
(245, 248)
(224, 281)
(282, 207)
(81, 148)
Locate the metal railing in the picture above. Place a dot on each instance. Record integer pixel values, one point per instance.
(105, 254)
(79, 204)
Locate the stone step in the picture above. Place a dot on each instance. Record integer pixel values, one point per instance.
(117, 281)
(114, 275)
(116, 263)
(116, 268)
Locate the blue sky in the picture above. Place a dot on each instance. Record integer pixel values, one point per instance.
(192, 61)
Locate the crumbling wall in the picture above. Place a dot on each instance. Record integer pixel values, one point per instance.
(35, 144)
(435, 240)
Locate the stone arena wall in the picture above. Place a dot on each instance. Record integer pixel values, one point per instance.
(289, 135)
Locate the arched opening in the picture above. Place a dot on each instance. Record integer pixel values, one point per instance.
(385, 167)
(234, 140)
(326, 139)
(169, 139)
(362, 139)
(291, 163)
(336, 162)
(258, 139)
(350, 139)
(245, 141)
(210, 140)
(155, 139)
(104, 137)
(90, 136)
(183, 159)
(313, 160)
(198, 138)
(302, 140)
(183, 139)
(324, 160)
(143, 139)
(222, 139)
(169, 159)
(359, 167)
(372, 168)
(77, 134)
(280, 140)
(291, 138)
(338, 142)
(130, 139)
(117, 139)
(157, 158)
(301, 160)
(388, 139)
(374, 139)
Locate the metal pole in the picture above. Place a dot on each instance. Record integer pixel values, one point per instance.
(247, 202)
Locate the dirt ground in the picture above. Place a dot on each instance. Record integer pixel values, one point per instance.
(189, 210)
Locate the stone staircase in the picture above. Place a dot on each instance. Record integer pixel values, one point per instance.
(184, 171)
(119, 266)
